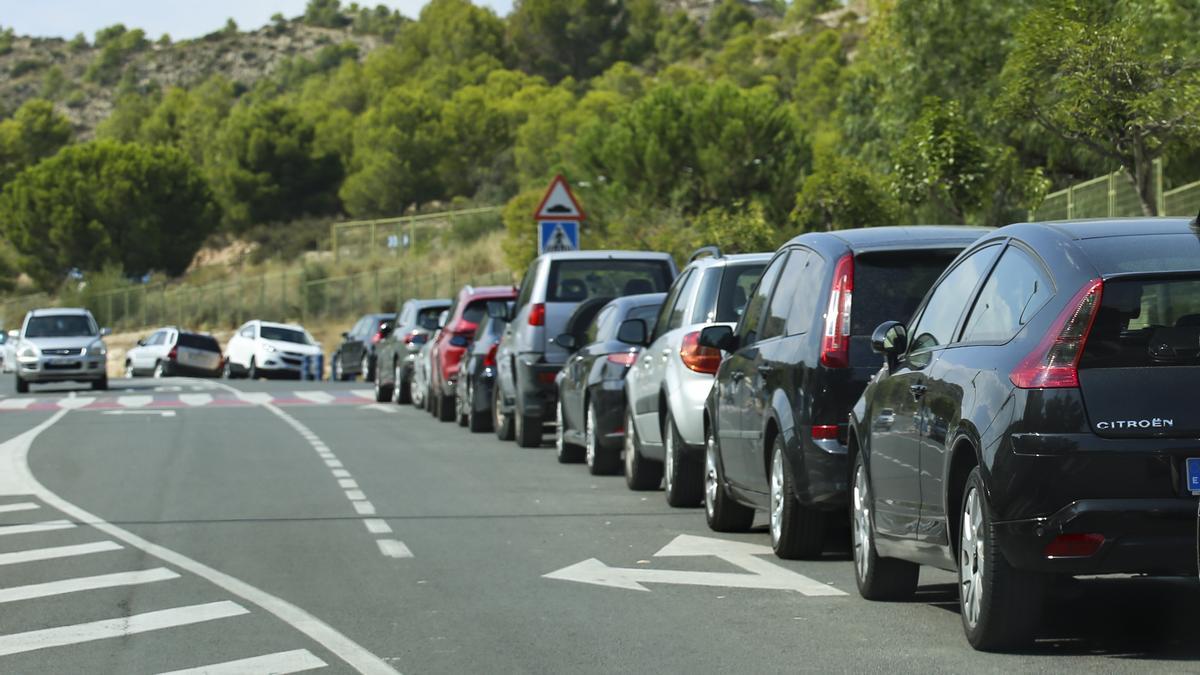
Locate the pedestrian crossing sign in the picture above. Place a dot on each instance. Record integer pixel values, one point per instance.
(558, 235)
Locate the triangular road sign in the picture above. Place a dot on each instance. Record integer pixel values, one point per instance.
(559, 203)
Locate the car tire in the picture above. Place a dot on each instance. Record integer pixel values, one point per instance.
(722, 512)
(601, 461)
(1000, 606)
(527, 428)
(878, 578)
(227, 370)
(383, 392)
(128, 370)
(403, 389)
(565, 451)
(797, 530)
(501, 422)
(335, 368)
(22, 385)
(364, 368)
(460, 404)
(476, 422)
(252, 370)
(447, 409)
(640, 473)
(100, 384)
(160, 371)
(683, 477)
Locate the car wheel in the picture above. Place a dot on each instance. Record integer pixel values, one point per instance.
(159, 370)
(383, 392)
(335, 368)
(721, 511)
(100, 384)
(476, 422)
(447, 408)
(528, 428)
(1000, 605)
(878, 578)
(128, 370)
(227, 370)
(364, 368)
(683, 479)
(797, 531)
(640, 473)
(600, 460)
(460, 402)
(22, 385)
(567, 452)
(252, 370)
(417, 398)
(402, 392)
(501, 422)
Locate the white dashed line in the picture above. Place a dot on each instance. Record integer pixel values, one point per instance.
(196, 399)
(333, 463)
(364, 508)
(86, 584)
(57, 552)
(134, 401)
(341, 473)
(393, 549)
(315, 396)
(348, 483)
(16, 403)
(46, 526)
(355, 495)
(377, 526)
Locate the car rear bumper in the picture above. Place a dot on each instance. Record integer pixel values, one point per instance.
(609, 400)
(1154, 536)
(537, 393)
(824, 479)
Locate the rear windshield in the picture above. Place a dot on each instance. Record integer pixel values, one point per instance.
(578, 280)
(1144, 253)
(283, 335)
(1145, 323)
(475, 312)
(204, 342)
(428, 318)
(60, 325)
(889, 286)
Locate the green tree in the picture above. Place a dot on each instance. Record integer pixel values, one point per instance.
(943, 161)
(561, 38)
(842, 193)
(106, 202)
(730, 18)
(35, 132)
(325, 14)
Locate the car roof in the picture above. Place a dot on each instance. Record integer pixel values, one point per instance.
(724, 260)
(57, 311)
(290, 326)
(425, 303)
(605, 255)
(898, 237)
(487, 291)
(1098, 228)
(640, 299)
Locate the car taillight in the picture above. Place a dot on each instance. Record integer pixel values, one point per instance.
(698, 358)
(1074, 545)
(623, 358)
(547, 377)
(173, 354)
(410, 337)
(537, 315)
(835, 343)
(376, 338)
(1054, 363)
(824, 432)
(489, 360)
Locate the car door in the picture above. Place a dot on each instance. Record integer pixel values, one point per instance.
(735, 382)
(146, 356)
(352, 345)
(506, 353)
(580, 365)
(895, 464)
(653, 361)
(242, 349)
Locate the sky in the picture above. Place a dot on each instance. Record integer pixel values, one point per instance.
(181, 19)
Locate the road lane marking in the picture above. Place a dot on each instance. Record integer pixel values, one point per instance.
(295, 661)
(30, 528)
(382, 407)
(74, 402)
(65, 586)
(333, 464)
(255, 397)
(196, 399)
(119, 627)
(364, 508)
(348, 483)
(57, 552)
(134, 401)
(151, 413)
(20, 506)
(341, 473)
(377, 526)
(355, 495)
(16, 403)
(318, 397)
(363, 393)
(17, 479)
(393, 549)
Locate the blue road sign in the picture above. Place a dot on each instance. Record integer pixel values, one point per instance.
(558, 235)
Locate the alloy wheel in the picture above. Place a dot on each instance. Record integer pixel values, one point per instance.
(630, 443)
(396, 384)
(364, 367)
(559, 443)
(158, 370)
(669, 450)
(861, 523)
(129, 370)
(589, 435)
(776, 496)
(711, 480)
(972, 556)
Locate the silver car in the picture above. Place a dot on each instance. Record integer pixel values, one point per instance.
(172, 351)
(60, 345)
(666, 389)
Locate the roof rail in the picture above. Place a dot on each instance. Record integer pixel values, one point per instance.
(713, 251)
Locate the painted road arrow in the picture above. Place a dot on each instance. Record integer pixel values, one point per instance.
(761, 574)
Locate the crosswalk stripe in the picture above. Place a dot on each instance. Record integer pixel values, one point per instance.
(65, 586)
(16, 403)
(256, 397)
(196, 399)
(295, 661)
(315, 396)
(364, 393)
(62, 636)
(75, 402)
(21, 506)
(30, 528)
(135, 401)
(57, 552)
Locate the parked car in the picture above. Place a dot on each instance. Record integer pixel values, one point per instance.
(397, 352)
(264, 349)
(173, 351)
(798, 359)
(590, 423)
(555, 283)
(462, 319)
(477, 376)
(8, 355)
(1048, 368)
(421, 366)
(355, 356)
(60, 345)
(666, 391)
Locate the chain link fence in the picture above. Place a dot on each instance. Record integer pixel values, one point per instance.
(1113, 196)
(410, 235)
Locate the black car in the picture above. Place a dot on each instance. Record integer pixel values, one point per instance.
(396, 354)
(477, 375)
(356, 354)
(1043, 423)
(591, 387)
(798, 359)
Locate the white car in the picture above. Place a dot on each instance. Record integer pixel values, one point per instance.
(8, 353)
(172, 351)
(264, 349)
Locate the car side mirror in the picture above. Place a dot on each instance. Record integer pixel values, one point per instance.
(141, 342)
(105, 332)
(385, 329)
(633, 332)
(719, 337)
(891, 340)
(567, 342)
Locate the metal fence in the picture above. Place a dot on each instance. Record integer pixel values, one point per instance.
(1113, 196)
(407, 234)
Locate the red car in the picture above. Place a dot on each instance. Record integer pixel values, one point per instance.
(461, 321)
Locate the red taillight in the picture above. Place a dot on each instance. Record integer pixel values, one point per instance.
(376, 338)
(489, 360)
(1054, 363)
(698, 358)
(537, 315)
(409, 338)
(824, 432)
(1074, 545)
(835, 343)
(547, 377)
(623, 358)
(173, 354)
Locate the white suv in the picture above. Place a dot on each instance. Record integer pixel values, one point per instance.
(263, 349)
(60, 345)
(666, 389)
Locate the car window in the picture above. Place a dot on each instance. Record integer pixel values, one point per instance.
(1016, 289)
(810, 281)
(645, 313)
(155, 339)
(784, 295)
(890, 285)
(527, 285)
(203, 342)
(247, 332)
(601, 326)
(1146, 323)
(676, 318)
(578, 280)
(428, 318)
(660, 324)
(284, 335)
(747, 328)
(475, 311)
(948, 299)
(734, 292)
(60, 325)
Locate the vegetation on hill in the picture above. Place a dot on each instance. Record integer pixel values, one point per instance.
(678, 121)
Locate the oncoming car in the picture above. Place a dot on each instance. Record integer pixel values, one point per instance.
(60, 345)
(263, 349)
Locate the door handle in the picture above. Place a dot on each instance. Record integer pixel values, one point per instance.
(918, 390)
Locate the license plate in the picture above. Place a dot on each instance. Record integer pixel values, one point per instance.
(1193, 475)
(60, 362)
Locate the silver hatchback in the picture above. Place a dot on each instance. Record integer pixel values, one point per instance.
(60, 345)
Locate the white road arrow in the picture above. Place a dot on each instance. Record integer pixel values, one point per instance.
(762, 574)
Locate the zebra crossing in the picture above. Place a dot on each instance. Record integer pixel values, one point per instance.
(170, 398)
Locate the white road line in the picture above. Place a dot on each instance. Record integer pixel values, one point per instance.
(196, 399)
(341, 473)
(74, 402)
(319, 397)
(134, 401)
(255, 397)
(377, 526)
(364, 508)
(348, 483)
(85, 584)
(45, 526)
(382, 407)
(16, 403)
(295, 661)
(124, 626)
(355, 495)
(20, 506)
(333, 464)
(364, 393)
(57, 552)
(393, 549)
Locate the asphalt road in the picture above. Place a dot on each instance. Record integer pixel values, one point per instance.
(180, 524)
